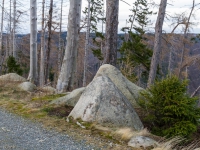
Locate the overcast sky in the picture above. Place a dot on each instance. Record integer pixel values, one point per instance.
(174, 6)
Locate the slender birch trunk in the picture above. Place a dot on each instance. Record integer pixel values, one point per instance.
(42, 48)
(157, 43)
(170, 62)
(185, 36)
(86, 44)
(49, 41)
(7, 49)
(33, 74)
(1, 34)
(60, 39)
(1, 37)
(112, 10)
(10, 41)
(14, 27)
(68, 69)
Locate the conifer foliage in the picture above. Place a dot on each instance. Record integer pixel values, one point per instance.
(170, 111)
(13, 67)
(135, 52)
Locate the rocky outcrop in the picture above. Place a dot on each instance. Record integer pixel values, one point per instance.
(141, 141)
(12, 77)
(71, 99)
(27, 86)
(129, 89)
(102, 102)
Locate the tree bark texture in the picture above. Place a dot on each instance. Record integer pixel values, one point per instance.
(49, 41)
(86, 45)
(67, 75)
(33, 74)
(157, 42)
(14, 26)
(10, 41)
(60, 39)
(42, 51)
(112, 10)
(1, 34)
(1, 38)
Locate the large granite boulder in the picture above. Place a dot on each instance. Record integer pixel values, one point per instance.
(103, 103)
(12, 77)
(71, 99)
(129, 89)
(27, 86)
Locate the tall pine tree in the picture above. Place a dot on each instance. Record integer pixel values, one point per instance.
(135, 60)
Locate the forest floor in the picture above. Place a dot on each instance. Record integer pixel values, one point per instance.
(34, 107)
(28, 118)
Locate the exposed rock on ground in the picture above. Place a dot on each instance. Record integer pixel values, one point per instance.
(71, 99)
(12, 77)
(27, 86)
(141, 141)
(49, 89)
(129, 89)
(103, 103)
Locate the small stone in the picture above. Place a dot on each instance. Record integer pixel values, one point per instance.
(111, 144)
(141, 141)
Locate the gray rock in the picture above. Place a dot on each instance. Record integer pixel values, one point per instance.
(129, 89)
(49, 89)
(141, 141)
(12, 77)
(103, 103)
(71, 99)
(27, 86)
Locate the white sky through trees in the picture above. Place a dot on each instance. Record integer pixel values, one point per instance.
(174, 6)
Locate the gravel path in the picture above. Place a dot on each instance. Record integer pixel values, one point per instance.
(17, 133)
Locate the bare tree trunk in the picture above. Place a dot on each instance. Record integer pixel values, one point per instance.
(42, 48)
(112, 10)
(10, 41)
(1, 34)
(1, 37)
(68, 69)
(14, 26)
(185, 36)
(170, 61)
(60, 39)
(86, 44)
(195, 92)
(7, 45)
(33, 74)
(49, 41)
(157, 42)
(102, 31)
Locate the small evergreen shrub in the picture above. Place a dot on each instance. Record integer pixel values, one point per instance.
(170, 111)
(13, 67)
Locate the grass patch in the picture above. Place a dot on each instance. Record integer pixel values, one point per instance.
(59, 111)
(48, 97)
(36, 107)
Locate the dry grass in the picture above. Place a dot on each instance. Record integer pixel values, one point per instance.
(174, 144)
(127, 133)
